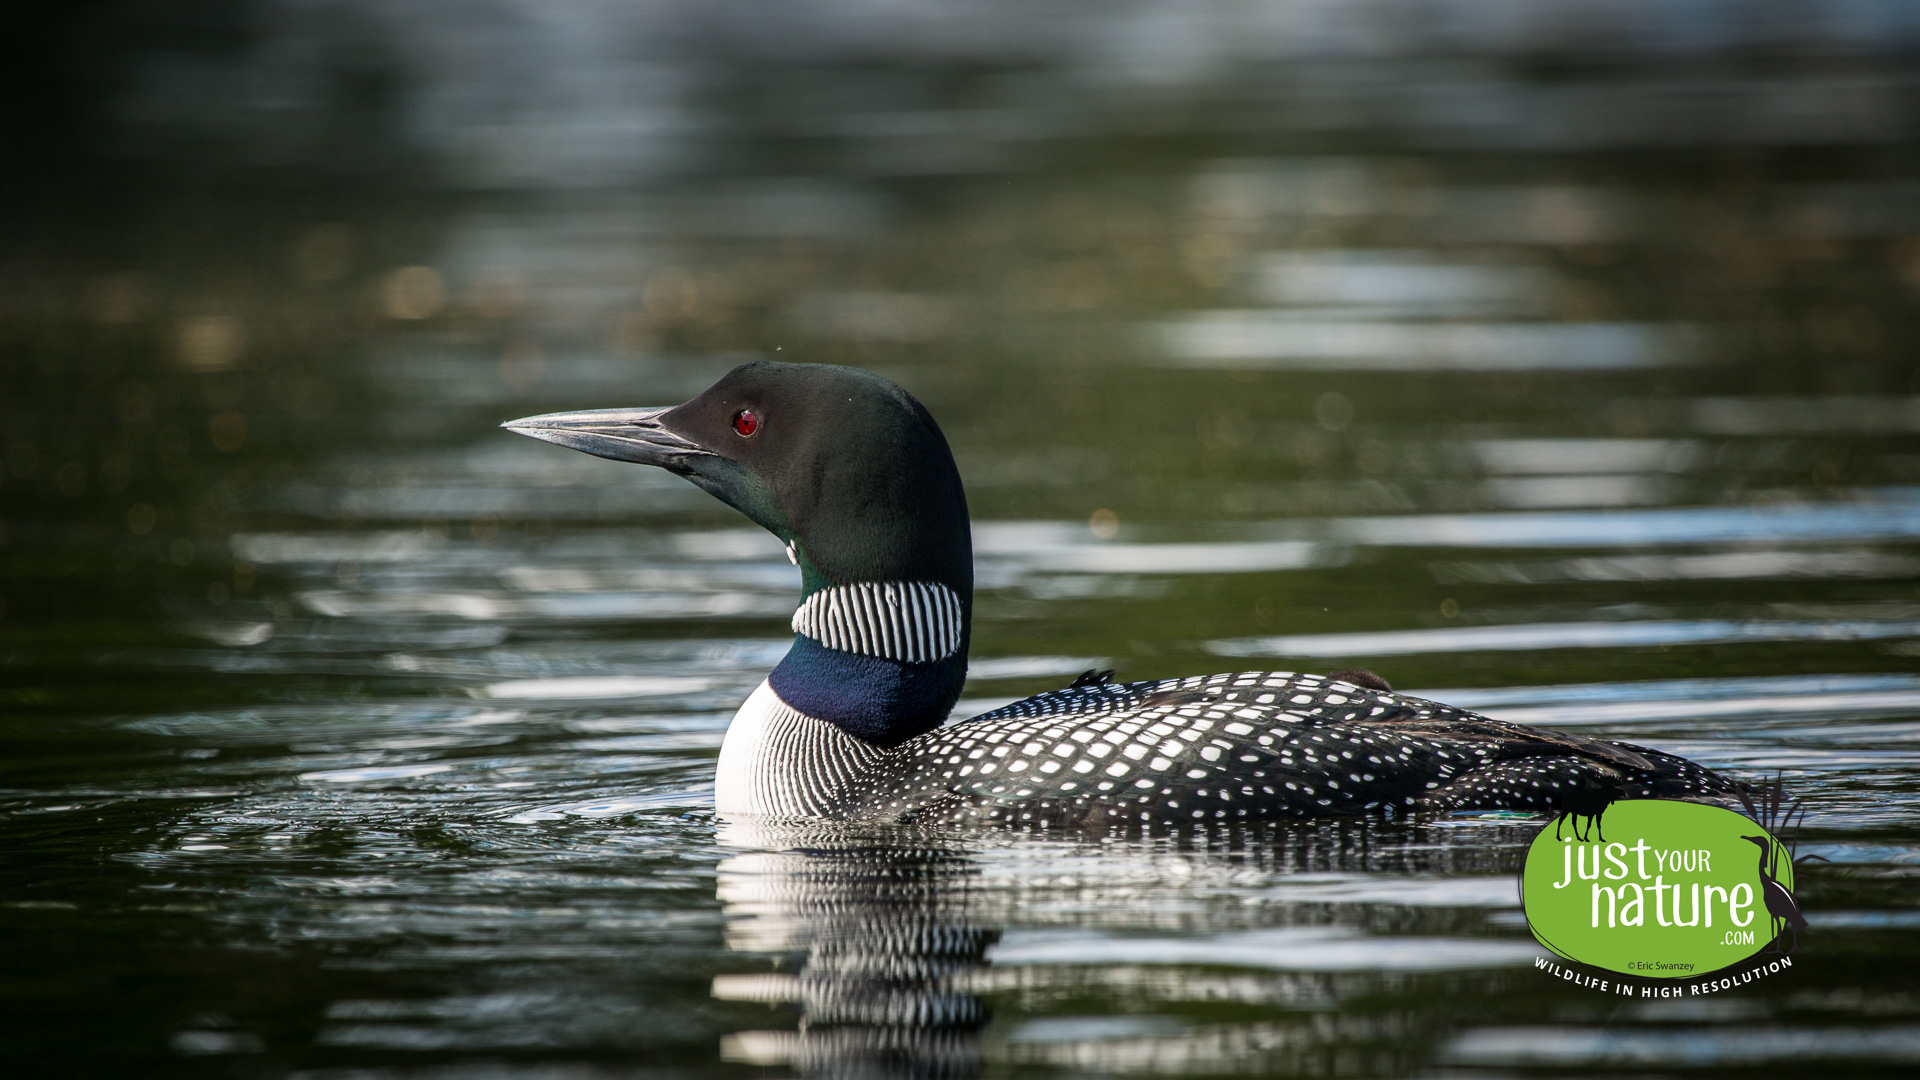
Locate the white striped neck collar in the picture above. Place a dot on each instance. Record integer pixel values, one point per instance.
(912, 622)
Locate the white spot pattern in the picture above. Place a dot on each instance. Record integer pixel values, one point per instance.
(1368, 752)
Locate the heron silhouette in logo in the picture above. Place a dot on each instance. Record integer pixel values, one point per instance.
(1770, 808)
(1783, 909)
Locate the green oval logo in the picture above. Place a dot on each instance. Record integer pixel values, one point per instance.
(1675, 889)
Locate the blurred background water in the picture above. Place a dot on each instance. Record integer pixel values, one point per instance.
(1552, 359)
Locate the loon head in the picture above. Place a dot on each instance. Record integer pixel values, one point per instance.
(854, 476)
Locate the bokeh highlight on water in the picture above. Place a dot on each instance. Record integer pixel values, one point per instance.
(1554, 360)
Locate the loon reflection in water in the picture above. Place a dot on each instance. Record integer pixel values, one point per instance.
(889, 940)
(887, 947)
(854, 476)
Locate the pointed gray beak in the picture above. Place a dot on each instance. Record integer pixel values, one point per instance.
(621, 434)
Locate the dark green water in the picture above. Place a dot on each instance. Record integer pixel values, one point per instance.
(1567, 375)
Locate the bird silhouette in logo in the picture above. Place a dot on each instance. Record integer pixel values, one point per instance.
(1781, 906)
(1768, 805)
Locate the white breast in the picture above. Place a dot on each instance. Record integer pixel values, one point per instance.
(779, 762)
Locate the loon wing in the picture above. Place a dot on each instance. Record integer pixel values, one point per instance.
(1253, 745)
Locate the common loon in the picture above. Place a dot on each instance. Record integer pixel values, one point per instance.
(853, 475)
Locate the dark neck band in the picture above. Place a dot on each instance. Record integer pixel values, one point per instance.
(883, 702)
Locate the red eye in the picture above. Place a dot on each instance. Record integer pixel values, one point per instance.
(745, 422)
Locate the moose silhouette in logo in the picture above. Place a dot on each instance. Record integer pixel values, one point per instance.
(1589, 801)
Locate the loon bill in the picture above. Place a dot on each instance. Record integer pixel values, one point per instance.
(854, 476)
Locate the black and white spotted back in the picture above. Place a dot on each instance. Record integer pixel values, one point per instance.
(1248, 746)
